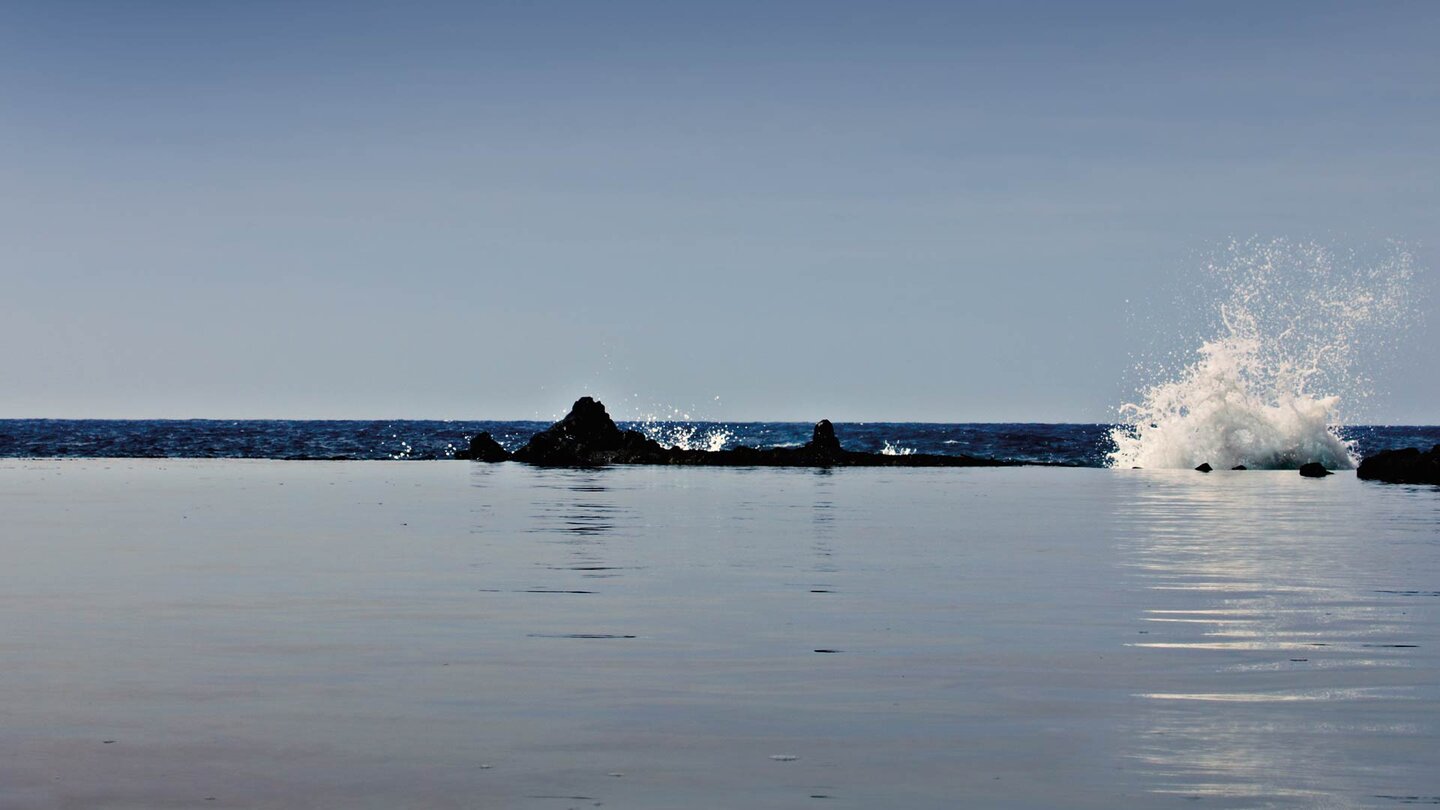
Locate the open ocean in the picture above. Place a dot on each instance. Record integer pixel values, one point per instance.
(1083, 445)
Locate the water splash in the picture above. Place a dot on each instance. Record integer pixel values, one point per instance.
(672, 426)
(676, 430)
(1295, 325)
(896, 450)
(687, 436)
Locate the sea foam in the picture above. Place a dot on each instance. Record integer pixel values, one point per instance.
(1271, 386)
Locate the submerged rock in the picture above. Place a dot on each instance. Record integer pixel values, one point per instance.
(1407, 466)
(588, 437)
(1204, 468)
(1314, 470)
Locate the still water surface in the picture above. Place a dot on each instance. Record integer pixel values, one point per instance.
(433, 635)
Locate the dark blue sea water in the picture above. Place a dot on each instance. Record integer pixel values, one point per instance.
(1075, 444)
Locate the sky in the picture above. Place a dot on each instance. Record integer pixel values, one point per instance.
(904, 211)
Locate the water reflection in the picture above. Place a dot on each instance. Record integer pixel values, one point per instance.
(578, 513)
(584, 512)
(822, 522)
(579, 503)
(1270, 651)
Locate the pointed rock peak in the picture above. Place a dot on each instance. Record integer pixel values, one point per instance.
(824, 436)
(586, 436)
(588, 416)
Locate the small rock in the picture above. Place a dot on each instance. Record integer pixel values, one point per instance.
(1204, 468)
(824, 436)
(1239, 467)
(1314, 470)
(483, 447)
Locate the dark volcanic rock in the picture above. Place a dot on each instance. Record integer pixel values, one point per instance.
(823, 438)
(1314, 470)
(483, 447)
(1204, 468)
(824, 446)
(1407, 466)
(1239, 467)
(588, 437)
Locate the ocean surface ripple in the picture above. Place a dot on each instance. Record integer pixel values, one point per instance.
(1086, 445)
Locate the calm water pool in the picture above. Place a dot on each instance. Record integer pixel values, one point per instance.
(436, 635)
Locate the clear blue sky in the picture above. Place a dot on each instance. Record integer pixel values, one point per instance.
(878, 210)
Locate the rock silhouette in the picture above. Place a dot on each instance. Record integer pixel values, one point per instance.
(1314, 470)
(483, 447)
(823, 437)
(1407, 466)
(588, 437)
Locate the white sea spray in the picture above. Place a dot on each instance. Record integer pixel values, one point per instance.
(1284, 365)
(685, 435)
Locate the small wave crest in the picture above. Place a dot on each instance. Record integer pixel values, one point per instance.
(896, 450)
(1267, 390)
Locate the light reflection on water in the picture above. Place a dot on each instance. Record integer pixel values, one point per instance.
(442, 635)
(577, 503)
(1278, 647)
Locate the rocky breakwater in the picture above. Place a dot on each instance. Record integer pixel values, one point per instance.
(1407, 466)
(588, 437)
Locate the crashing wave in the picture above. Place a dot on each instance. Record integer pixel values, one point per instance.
(1267, 391)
